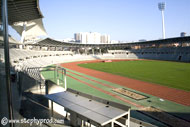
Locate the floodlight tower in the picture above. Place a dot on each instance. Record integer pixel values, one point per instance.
(161, 7)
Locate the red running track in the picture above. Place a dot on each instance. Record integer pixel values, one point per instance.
(172, 94)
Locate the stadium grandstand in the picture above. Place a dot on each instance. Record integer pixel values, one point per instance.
(173, 49)
(25, 93)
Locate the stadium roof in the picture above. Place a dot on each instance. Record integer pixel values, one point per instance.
(52, 42)
(22, 10)
(26, 12)
(33, 28)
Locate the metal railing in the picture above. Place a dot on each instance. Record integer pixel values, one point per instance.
(60, 80)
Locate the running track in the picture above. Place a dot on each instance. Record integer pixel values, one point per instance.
(178, 96)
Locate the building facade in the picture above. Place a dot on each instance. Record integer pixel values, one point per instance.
(105, 39)
(91, 38)
(182, 34)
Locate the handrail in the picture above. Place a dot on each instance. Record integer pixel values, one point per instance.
(56, 76)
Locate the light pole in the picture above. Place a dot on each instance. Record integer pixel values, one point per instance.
(161, 7)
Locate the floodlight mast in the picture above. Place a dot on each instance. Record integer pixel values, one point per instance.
(161, 7)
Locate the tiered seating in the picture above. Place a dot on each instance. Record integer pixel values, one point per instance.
(22, 60)
(30, 61)
(172, 53)
(167, 53)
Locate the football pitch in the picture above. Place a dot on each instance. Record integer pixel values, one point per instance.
(171, 74)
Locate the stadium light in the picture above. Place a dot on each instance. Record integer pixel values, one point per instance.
(161, 7)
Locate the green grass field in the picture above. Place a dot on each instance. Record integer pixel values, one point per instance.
(171, 74)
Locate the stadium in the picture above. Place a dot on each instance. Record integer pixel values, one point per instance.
(136, 84)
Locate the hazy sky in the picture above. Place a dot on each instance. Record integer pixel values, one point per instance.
(125, 20)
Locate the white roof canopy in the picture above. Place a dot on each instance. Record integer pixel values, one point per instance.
(32, 28)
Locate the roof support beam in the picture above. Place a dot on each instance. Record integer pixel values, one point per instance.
(7, 58)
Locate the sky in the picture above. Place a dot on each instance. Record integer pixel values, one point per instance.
(124, 20)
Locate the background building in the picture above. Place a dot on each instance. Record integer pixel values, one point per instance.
(114, 41)
(91, 38)
(77, 37)
(69, 40)
(182, 34)
(105, 39)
